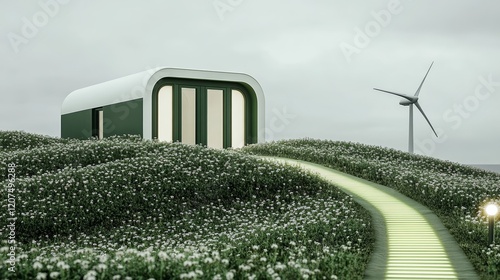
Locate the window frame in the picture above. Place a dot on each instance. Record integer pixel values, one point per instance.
(98, 123)
(202, 87)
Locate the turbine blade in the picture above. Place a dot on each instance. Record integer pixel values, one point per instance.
(422, 111)
(410, 98)
(420, 87)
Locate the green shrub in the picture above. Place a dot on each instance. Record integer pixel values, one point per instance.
(129, 208)
(456, 193)
(20, 140)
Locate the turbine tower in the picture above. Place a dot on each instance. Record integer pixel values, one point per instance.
(409, 100)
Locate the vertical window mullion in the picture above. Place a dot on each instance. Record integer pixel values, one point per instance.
(227, 117)
(98, 123)
(177, 113)
(201, 115)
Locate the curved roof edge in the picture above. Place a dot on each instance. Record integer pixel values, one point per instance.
(106, 93)
(136, 85)
(204, 75)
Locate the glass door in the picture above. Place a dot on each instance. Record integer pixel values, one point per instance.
(214, 114)
(165, 114)
(188, 115)
(215, 118)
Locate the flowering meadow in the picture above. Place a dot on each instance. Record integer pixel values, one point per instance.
(456, 193)
(125, 208)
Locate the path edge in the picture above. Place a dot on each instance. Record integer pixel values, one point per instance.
(460, 262)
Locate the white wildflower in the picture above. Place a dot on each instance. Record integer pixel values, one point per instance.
(91, 275)
(162, 255)
(37, 265)
(101, 267)
(229, 275)
(244, 267)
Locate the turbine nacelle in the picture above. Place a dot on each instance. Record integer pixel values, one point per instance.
(410, 100)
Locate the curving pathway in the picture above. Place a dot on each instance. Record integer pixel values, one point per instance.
(411, 242)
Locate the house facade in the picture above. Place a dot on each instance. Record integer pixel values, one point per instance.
(216, 109)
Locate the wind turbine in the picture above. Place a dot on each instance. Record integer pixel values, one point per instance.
(409, 100)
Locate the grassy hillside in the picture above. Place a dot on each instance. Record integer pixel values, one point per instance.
(123, 208)
(455, 192)
(17, 140)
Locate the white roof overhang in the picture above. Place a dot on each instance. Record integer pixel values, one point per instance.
(141, 85)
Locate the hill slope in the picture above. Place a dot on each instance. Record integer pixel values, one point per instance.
(456, 193)
(123, 207)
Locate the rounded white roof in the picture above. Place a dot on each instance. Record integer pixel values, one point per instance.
(141, 85)
(135, 86)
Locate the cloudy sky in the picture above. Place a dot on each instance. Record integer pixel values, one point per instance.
(317, 62)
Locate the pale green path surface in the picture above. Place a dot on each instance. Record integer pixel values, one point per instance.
(411, 242)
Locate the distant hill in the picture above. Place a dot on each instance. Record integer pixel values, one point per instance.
(490, 167)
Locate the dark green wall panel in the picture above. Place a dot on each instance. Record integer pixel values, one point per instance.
(123, 118)
(77, 125)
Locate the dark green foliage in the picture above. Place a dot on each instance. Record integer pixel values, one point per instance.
(127, 207)
(456, 193)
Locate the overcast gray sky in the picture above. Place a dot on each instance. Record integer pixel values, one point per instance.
(317, 62)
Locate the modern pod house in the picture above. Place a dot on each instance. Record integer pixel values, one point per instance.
(215, 109)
